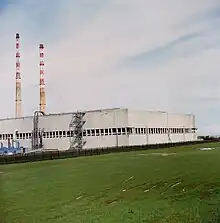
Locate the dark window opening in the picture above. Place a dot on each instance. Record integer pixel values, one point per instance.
(97, 132)
(114, 131)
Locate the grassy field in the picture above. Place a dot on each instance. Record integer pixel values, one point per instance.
(180, 185)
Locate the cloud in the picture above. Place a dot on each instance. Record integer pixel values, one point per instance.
(183, 46)
(145, 54)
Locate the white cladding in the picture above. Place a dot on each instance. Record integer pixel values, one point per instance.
(105, 120)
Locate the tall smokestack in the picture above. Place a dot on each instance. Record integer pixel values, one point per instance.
(18, 79)
(42, 85)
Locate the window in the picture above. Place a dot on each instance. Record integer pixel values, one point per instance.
(93, 132)
(123, 131)
(106, 132)
(110, 131)
(114, 131)
(119, 131)
(97, 132)
(129, 131)
(102, 132)
(193, 130)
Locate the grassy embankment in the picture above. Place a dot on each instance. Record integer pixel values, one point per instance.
(183, 185)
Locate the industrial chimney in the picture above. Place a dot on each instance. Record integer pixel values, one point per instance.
(18, 79)
(42, 85)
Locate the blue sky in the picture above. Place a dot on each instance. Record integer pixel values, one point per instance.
(3, 3)
(153, 55)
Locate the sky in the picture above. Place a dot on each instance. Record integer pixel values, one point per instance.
(140, 54)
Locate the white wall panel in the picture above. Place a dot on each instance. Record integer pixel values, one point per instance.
(158, 139)
(21, 124)
(137, 140)
(106, 119)
(105, 141)
(179, 120)
(55, 122)
(60, 144)
(147, 118)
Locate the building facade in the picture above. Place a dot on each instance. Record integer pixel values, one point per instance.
(102, 128)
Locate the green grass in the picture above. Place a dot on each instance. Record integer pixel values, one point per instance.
(125, 187)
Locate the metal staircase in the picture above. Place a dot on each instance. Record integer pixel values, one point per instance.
(76, 131)
(37, 133)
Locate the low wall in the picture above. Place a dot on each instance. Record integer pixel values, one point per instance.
(50, 155)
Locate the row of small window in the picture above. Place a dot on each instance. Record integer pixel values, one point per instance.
(102, 132)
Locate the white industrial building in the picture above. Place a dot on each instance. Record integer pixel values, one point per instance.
(101, 128)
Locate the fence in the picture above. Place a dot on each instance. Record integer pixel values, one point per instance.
(50, 155)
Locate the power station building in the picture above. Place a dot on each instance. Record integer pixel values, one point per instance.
(98, 128)
(88, 129)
